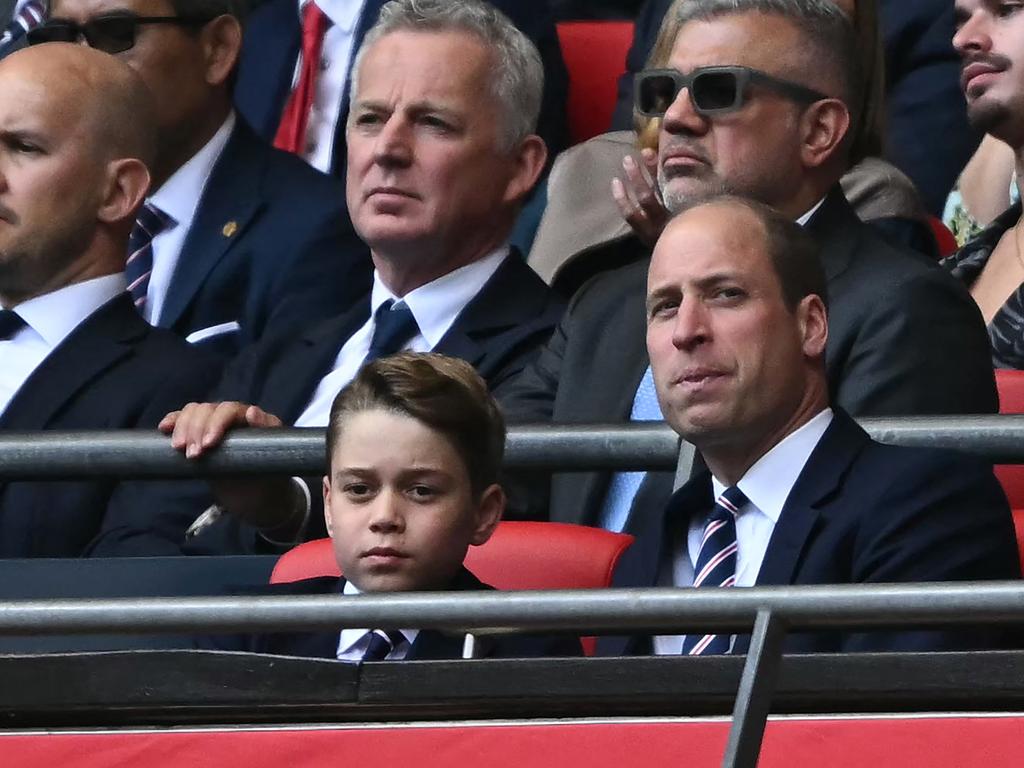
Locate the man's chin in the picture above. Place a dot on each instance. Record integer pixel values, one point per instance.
(988, 115)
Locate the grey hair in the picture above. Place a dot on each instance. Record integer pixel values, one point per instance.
(518, 82)
(831, 40)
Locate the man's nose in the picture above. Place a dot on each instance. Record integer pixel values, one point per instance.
(386, 512)
(691, 327)
(973, 36)
(681, 117)
(394, 144)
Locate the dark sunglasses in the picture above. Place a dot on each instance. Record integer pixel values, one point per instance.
(712, 90)
(110, 34)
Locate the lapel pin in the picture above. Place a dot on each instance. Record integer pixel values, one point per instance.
(230, 228)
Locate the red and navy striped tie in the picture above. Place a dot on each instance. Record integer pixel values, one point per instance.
(716, 564)
(151, 222)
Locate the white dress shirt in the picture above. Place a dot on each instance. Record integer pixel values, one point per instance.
(179, 198)
(435, 306)
(49, 320)
(335, 59)
(767, 485)
(352, 643)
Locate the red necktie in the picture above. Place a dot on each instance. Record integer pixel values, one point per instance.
(291, 133)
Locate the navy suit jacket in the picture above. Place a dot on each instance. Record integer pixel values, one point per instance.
(499, 332)
(271, 246)
(861, 513)
(114, 371)
(926, 116)
(271, 48)
(429, 644)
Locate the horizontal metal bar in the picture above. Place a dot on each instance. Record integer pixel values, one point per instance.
(143, 454)
(657, 610)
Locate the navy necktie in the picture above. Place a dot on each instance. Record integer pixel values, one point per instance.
(10, 323)
(29, 16)
(150, 223)
(381, 644)
(393, 326)
(716, 564)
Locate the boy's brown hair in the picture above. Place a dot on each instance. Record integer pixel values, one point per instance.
(444, 393)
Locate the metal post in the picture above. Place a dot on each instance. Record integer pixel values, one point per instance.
(753, 699)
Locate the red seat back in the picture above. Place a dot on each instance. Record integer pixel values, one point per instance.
(943, 237)
(1011, 400)
(595, 55)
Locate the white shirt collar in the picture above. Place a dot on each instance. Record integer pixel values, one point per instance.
(767, 484)
(343, 13)
(349, 637)
(56, 314)
(802, 221)
(179, 196)
(436, 304)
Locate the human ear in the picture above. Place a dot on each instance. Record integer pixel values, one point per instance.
(528, 158)
(327, 505)
(489, 510)
(823, 127)
(222, 44)
(127, 182)
(813, 322)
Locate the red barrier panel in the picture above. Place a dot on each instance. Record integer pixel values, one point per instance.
(836, 742)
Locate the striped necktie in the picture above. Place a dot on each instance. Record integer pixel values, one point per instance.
(151, 222)
(29, 16)
(382, 644)
(716, 564)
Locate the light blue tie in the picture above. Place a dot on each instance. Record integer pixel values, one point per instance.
(624, 485)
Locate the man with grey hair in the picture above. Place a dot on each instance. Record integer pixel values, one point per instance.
(754, 103)
(438, 164)
(296, 47)
(235, 237)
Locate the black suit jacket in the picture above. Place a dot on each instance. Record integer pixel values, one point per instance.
(271, 48)
(861, 513)
(271, 246)
(928, 137)
(904, 339)
(113, 372)
(499, 332)
(429, 644)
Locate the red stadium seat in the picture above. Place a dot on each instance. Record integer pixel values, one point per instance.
(1011, 400)
(520, 555)
(943, 237)
(595, 55)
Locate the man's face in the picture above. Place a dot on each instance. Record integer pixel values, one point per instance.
(168, 57)
(990, 41)
(425, 166)
(729, 358)
(50, 182)
(753, 152)
(399, 504)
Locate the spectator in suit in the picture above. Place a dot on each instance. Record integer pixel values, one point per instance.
(75, 139)
(441, 152)
(891, 309)
(414, 446)
(989, 39)
(296, 93)
(795, 492)
(235, 237)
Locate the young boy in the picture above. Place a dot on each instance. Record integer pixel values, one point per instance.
(414, 447)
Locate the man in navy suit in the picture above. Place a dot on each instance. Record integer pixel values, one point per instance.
(272, 63)
(75, 136)
(795, 492)
(439, 162)
(235, 237)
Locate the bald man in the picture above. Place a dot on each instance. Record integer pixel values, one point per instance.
(76, 137)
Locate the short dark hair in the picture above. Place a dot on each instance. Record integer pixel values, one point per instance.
(794, 253)
(443, 393)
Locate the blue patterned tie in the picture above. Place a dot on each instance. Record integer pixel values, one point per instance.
(716, 564)
(381, 644)
(624, 485)
(150, 223)
(393, 326)
(10, 323)
(29, 16)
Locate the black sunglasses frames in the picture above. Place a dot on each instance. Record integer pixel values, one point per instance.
(110, 34)
(712, 90)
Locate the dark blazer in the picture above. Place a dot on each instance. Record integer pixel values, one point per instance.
(926, 117)
(429, 644)
(904, 338)
(499, 332)
(861, 513)
(271, 48)
(114, 371)
(271, 246)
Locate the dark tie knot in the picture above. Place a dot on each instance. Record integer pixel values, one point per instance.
(382, 643)
(393, 327)
(731, 501)
(152, 221)
(10, 323)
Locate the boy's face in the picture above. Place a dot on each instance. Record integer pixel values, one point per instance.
(399, 506)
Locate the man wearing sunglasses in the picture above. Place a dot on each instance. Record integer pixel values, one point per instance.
(754, 103)
(235, 237)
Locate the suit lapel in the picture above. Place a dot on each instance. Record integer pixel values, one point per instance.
(229, 202)
(837, 229)
(93, 347)
(820, 479)
(270, 66)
